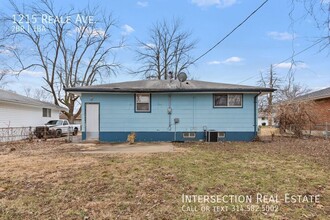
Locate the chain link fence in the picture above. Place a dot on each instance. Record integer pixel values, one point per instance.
(16, 133)
(319, 130)
(9, 134)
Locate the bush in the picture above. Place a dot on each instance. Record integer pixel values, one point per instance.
(295, 116)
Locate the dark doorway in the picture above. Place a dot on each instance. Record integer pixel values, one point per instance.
(212, 136)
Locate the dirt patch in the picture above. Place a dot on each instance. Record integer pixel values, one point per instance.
(140, 147)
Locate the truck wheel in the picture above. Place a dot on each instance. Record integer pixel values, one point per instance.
(39, 136)
(58, 133)
(75, 131)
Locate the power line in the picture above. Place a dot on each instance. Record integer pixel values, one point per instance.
(300, 52)
(289, 58)
(240, 24)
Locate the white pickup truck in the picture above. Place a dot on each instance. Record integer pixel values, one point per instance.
(56, 128)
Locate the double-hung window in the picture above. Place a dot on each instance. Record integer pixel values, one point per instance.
(142, 102)
(46, 112)
(189, 135)
(227, 100)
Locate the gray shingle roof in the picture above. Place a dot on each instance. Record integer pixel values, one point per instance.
(6, 96)
(320, 94)
(168, 86)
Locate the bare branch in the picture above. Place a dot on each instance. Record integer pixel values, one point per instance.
(68, 53)
(166, 51)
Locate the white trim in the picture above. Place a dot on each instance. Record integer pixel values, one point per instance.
(189, 134)
(149, 103)
(223, 134)
(227, 106)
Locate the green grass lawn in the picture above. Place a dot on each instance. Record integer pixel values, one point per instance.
(49, 182)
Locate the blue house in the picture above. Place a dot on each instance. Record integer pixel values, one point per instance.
(169, 110)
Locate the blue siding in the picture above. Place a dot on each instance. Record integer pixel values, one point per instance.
(169, 136)
(195, 111)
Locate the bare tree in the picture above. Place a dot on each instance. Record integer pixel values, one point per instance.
(3, 71)
(2, 77)
(269, 80)
(319, 12)
(291, 89)
(70, 53)
(39, 94)
(295, 116)
(167, 50)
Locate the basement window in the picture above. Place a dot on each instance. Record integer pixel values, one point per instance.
(189, 135)
(221, 134)
(46, 112)
(227, 100)
(142, 102)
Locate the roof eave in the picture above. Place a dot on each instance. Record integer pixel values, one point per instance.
(35, 105)
(315, 98)
(106, 90)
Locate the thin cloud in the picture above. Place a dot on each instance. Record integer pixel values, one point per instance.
(148, 46)
(214, 62)
(5, 52)
(233, 60)
(288, 65)
(127, 29)
(217, 3)
(230, 60)
(281, 35)
(142, 4)
(29, 73)
(97, 32)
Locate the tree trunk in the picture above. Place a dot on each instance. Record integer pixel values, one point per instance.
(270, 99)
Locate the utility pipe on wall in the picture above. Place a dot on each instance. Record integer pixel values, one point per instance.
(169, 112)
(255, 113)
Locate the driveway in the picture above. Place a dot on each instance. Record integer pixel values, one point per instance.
(140, 147)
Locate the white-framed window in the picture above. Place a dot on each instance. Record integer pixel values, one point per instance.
(227, 100)
(221, 134)
(189, 134)
(142, 102)
(46, 112)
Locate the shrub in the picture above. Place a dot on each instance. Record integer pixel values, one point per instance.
(295, 116)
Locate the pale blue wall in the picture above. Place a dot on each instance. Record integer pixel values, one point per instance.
(194, 111)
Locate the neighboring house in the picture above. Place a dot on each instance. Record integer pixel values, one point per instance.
(20, 111)
(322, 105)
(263, 119)
(169, 110)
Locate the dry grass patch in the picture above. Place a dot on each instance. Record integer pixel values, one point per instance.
(45, 181)
(268, 131)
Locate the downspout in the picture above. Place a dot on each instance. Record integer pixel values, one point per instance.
(255, 113)
(169, 112)
(193, 119)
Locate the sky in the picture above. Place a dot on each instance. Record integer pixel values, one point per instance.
(270, 36)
